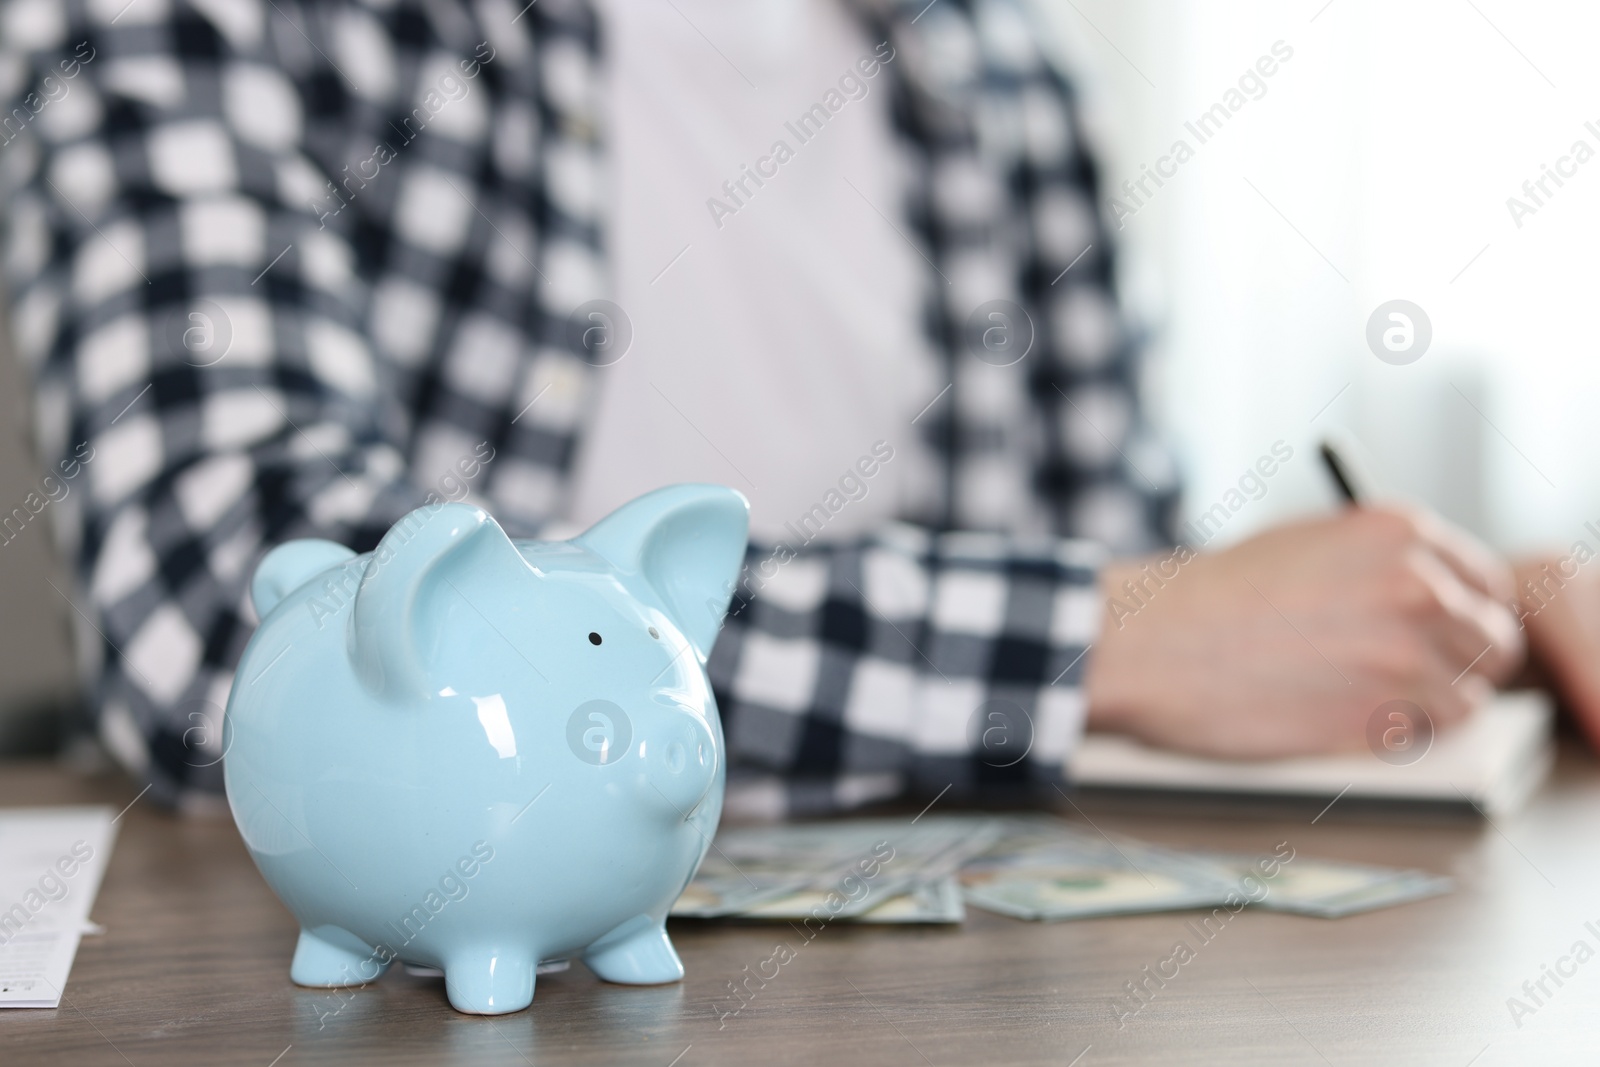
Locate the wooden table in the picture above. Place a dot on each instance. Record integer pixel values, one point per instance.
(193, 967)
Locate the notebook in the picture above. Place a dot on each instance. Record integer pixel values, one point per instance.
(1492, 763)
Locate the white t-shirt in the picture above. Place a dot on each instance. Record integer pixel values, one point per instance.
(776, 320)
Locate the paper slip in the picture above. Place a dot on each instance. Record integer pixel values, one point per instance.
(51, 863)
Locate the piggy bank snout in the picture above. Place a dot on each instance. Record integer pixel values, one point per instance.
(680, 757)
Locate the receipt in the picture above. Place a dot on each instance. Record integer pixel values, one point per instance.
(51, 863)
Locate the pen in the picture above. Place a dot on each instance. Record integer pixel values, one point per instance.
(1342, 471)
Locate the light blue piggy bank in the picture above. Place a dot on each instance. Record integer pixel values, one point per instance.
(473, 754)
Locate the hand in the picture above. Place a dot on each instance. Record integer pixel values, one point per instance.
(1286, 643)
(1558, 601)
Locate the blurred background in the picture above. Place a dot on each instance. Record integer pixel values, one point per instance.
(1374, 164)
(37, 680)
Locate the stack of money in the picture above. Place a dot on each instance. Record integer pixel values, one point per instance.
(1036, 867)
(868, 870)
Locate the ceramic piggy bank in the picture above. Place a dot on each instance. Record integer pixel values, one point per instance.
(470, 753)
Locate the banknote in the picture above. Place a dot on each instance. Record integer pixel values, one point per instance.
(933, 855)
(937, 901)
(1415, 886)
(847, 867)
(1034, 866)
(1045, 870)
(929, 902)
(711, 896)
(723, 886)
(1326, 888)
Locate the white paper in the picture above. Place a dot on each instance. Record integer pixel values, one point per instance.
(51, 863)
(1494, 760)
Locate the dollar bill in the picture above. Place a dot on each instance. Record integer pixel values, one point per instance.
(1035, 867)
(710, 897)
(1326, 888)
(1045, 870)
(927, 902)
(1415, 885)
(847, 867)
(723, 886)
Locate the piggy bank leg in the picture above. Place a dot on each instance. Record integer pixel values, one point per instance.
(489, 981)
(636, 953)
(332, 957)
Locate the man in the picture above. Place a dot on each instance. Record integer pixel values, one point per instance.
(291, 269)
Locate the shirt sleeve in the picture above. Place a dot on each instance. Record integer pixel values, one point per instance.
(936, 661)
(904, 661)
(203, 384)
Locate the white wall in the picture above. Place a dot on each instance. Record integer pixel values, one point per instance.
(1390, 141)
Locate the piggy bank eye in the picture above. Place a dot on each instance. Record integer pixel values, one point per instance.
(654, 634)
(594, 638)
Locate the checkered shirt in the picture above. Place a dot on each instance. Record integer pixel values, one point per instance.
(277, 269)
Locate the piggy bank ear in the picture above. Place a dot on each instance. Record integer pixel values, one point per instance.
(290, 566)
(687, 542)
(417, 571)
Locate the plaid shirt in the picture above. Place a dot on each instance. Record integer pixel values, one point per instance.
(284, 269)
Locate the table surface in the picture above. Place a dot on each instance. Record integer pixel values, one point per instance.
(193, 966)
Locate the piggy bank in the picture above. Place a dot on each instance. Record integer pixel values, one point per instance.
(469, 753)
